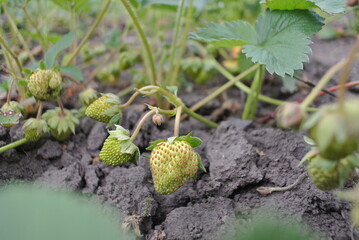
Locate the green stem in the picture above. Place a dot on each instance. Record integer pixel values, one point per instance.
(144, 41)
(182, 46)
(244, 88)
(89, 33)
(344, 76)
(3, 43)
(178, 22)
(321, 84)
(127, 90)
(224, 87)
(141, 122)
(149, 90)
(39, 111)
(177, 121)
(33, 24)
(258, 91)
(18, 34)
(13, 145)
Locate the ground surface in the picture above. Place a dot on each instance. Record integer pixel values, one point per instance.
(238, 158)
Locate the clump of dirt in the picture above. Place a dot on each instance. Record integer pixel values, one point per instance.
(237, 162)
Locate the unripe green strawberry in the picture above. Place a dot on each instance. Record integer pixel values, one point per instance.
(34, 129)
(173, 163)
(12, 105)
(118, 148)
(111, 152)
(328, 175)
(62, 124)
(105, 109)
(88, 96)
(45, 84)
(335, 129)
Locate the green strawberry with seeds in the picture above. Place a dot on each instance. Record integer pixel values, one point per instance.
(118, 148)
(105, 109)
(328, 175)
(14, 106)
(335, 129)
(34, 129)
(45, 84)
(174, 162)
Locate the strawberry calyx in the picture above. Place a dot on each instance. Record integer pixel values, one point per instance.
(125, 143)
(34, 129)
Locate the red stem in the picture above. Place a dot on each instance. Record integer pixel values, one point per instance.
(331, 89)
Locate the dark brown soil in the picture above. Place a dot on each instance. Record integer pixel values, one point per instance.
(238, 158)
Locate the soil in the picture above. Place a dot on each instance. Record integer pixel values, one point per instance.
(238, 155)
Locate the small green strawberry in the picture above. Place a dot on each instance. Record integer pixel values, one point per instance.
(174, 162)
(45, 84)
(61, 124)
(34, 129)
(335, 129)
(14, 106)
(105, 109)
(118, 148)
(328, 175)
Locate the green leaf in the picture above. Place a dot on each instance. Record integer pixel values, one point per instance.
(173, 89)
(283, 40)
(288, 4)
(331, 6)
(200, 164)
(280, 39)
(72, 71)
(290, 83)
(42, 65)
(230, 34)
(65, 42)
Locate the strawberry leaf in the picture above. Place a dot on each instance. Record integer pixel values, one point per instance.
(193, 141)
(230, 34)
(280, 39)
(329, 6)
(200, 164)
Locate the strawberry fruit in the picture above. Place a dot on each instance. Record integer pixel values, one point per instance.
(174, 162)
(34, 129)
(118, 148)
(105, 109)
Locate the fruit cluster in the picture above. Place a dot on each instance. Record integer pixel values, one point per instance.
(334, 130)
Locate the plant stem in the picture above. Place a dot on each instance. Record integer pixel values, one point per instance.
(63, 114)
(344, 76)
(74, 80)
(224, 87)
(33, 24)
(322, 82)
(13, 145)
(19, 36)
(257, 91)
(178, 22)
(132, 98)
(176, 102)
(3, 43)
(177, 121)
(144, 41)
(89, 33)
(39, 111)
(127, 90)
(182, 46)
(141, 122)
(244, 88)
